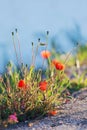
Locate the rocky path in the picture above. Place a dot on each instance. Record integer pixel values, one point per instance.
(71, 116)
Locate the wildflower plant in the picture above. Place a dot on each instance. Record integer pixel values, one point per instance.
(24, 94)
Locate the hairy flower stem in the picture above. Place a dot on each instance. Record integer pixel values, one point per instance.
(15, 47)
(32, 54)
(70, 53)
(45, 48)
(36, 50)
(19, 45)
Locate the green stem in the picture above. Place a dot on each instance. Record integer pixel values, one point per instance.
(45, 49)
(36, 53)
(32, 53)
(15, 48)
(21, 61)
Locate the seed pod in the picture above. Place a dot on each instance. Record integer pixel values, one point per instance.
(32, 43)
(38, 39)
(47, 32)
(12, 33)
(16, 30)
(43, 44)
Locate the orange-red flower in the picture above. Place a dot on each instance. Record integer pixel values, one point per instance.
(43, 85)
(53, 112)
(21, 84)
(54, 62)
(45, 54)
(58, 65)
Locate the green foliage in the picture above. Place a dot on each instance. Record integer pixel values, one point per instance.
(82, 54)
(78, 82)
(30, 102)
(23, 90)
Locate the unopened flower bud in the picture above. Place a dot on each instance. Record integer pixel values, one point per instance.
(12, 33)
(16, 30)
(32, 43)
(38, 39)
(47, 32)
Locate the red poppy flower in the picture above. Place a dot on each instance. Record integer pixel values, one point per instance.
(45, 54)
(52, 113)
(54, 62)
(21, 84)
(43, 85)
(58, 65)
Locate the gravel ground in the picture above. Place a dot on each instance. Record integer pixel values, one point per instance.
(71, 116)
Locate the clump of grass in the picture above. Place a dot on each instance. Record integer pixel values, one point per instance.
(24, 94)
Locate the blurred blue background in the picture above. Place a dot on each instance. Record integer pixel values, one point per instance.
(66, 21)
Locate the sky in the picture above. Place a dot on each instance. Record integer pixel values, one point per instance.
(35, 17)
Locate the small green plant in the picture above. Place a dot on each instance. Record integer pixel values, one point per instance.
(25, 94)
(78, 82)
